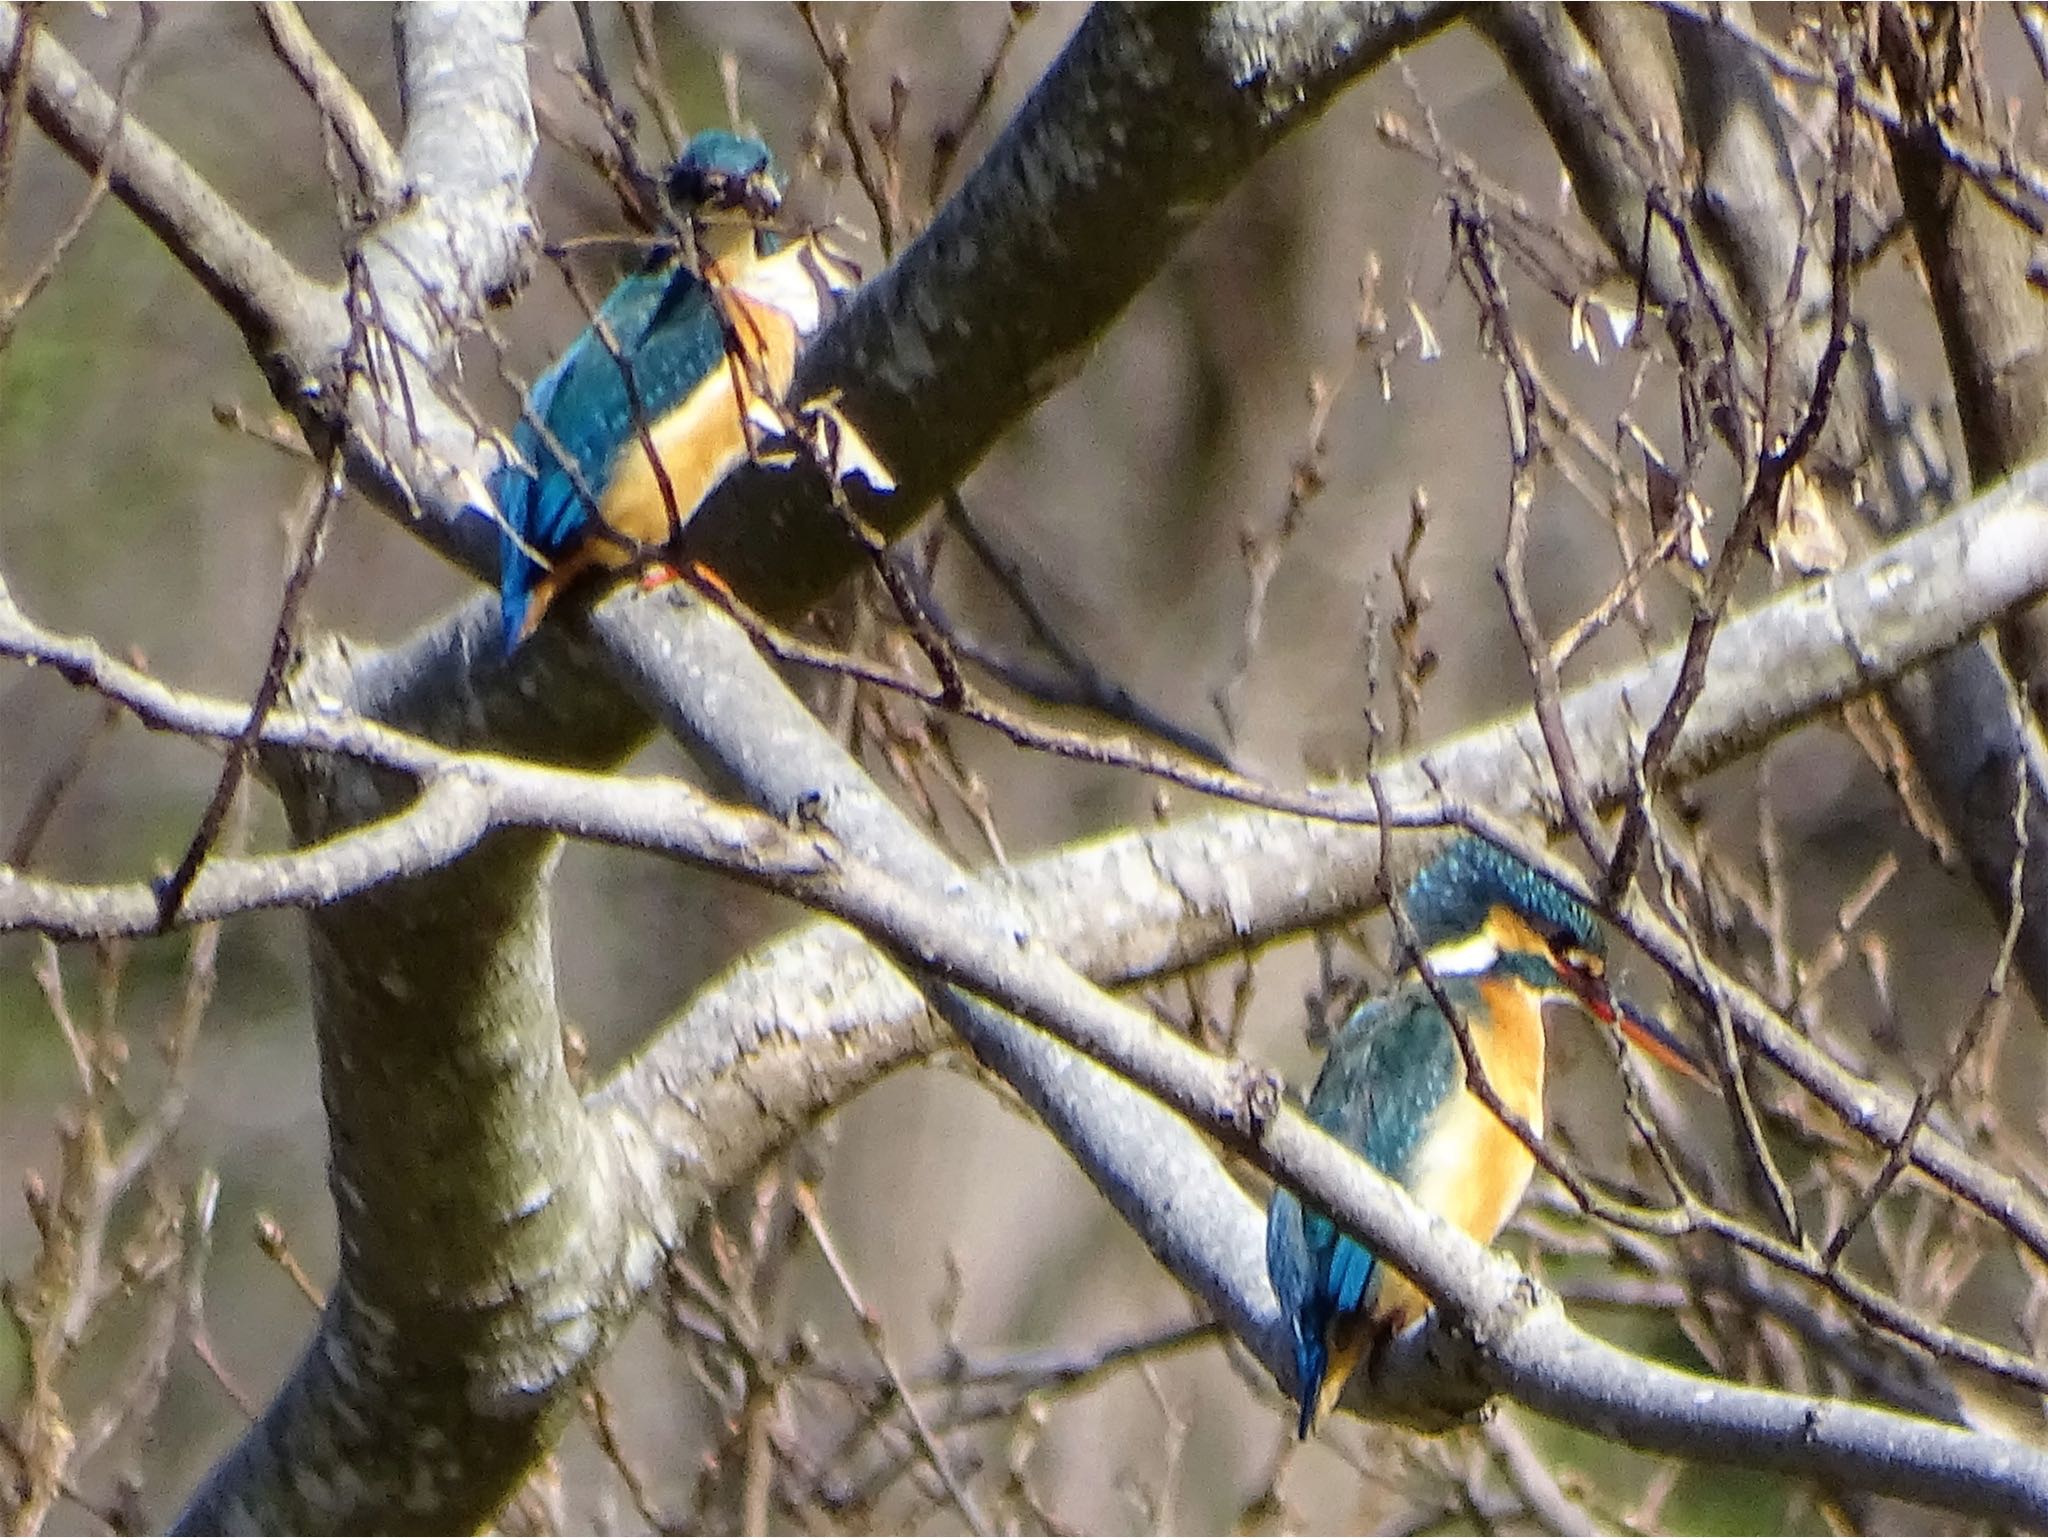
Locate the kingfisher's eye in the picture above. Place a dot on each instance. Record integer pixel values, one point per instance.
(1576, 958)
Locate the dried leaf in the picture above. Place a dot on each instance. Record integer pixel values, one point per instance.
(1430, 349)
(1805, 535)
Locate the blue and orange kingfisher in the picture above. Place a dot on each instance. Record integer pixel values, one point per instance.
(1502, 940)
(702, 347)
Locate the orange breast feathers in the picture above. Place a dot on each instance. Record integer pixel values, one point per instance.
(772, 306)
(1472, 1170)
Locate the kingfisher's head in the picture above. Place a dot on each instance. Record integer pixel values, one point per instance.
(724, 179)
(1478, 911)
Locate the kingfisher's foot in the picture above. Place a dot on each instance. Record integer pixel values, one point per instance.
(707, 580)
(657, 574)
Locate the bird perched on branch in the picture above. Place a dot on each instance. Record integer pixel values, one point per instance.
(1502, 941)
(680, 378)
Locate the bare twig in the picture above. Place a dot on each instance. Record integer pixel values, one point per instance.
(597, 1411)
(1085, 683)
(270, 1239)
(325, 492)
(947, 142)
(56, 785)
(1989, 1006)
(12, 306)
(871, 1330)
(340, 105)
(1476, 260)
(838, 65)
(1773, 466)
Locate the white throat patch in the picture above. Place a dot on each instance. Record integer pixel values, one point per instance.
(798, 280)
(1465, 958)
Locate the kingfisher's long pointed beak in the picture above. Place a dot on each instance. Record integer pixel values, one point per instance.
(1638, 1027)
(1657, 1039)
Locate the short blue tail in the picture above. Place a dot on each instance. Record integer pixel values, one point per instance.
(514, 595)
(1311, 1361)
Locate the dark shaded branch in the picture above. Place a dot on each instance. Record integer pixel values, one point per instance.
(1149, 117)
(1981, 270)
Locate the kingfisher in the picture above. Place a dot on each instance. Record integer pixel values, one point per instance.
(1502, 941)
(703, 343)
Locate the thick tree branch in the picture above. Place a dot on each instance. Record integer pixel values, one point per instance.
(409, 448)
(1150, 116)
(1980, 266)
(1164, 1179)
(341, 106)
(725, 703)
(1822, 645)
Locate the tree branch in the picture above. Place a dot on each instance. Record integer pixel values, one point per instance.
(1151, 114)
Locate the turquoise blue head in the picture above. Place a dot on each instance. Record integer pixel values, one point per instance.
(725, 173)
(1477, 909)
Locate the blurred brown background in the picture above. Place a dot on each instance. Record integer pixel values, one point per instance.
(126, 512)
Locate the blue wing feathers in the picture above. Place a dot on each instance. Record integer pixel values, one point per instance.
(1351, 1269)
(1390, 1070)
(667, 332)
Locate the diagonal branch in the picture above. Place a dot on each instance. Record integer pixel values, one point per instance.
(1823, 644)
(939, 935)
(1150, 115)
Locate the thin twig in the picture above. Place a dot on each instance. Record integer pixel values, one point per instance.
(270, 1239)
(1086, 683)
(650, 79)
(1469, 232)
(325, 494)
(12, 306)
(1988, 1007)
(838, 66)
(1773, 466)
(340, 104)
(597, 1412)
(56, 785)
(871, 1329)
(947, 142)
